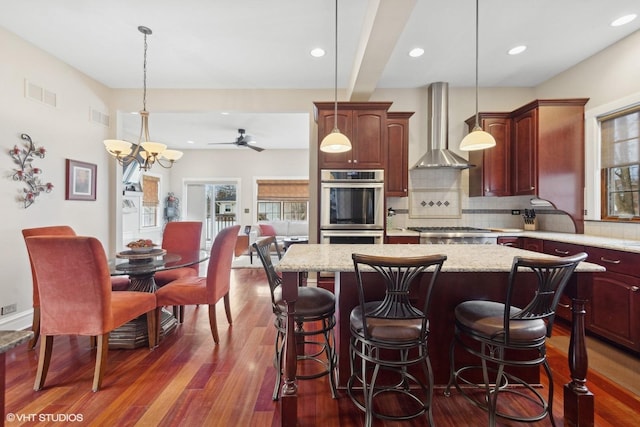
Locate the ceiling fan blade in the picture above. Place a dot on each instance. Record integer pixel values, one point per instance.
(253, 147)
(222, 143)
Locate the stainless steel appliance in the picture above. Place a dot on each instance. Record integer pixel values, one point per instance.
(352, 236)
(351, 199)
(456, 235)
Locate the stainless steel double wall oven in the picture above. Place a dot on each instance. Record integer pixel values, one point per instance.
(352, 206)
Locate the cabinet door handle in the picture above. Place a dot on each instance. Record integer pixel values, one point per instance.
(635, 289)
(355, 161)
(563, 305)
(610, 261)
(558, 251)
(507, 244)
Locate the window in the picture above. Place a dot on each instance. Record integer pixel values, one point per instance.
(620, 137)
(150, 201)
(284, 199)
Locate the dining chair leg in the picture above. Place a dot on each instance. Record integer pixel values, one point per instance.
(35, 328)
(158, 316)
(101, 360)
(46, 345)
(152, 329)
(227, 308)
(213, 324)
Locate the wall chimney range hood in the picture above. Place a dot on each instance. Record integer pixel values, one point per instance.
(438, 154)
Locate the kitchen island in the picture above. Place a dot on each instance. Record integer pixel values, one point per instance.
(470, 272)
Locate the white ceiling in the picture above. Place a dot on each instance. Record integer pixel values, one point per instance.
(258, 44)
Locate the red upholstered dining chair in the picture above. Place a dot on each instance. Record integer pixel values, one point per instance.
(118, 283)
(180, 236)
(76, 298)
(209, 289)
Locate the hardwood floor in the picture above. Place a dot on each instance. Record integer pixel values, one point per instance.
(189, 381)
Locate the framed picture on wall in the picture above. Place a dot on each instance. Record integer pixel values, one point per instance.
(81, 180)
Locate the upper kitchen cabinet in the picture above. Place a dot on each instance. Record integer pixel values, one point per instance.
(545, 145)
(548, 154)
(397, 175)
(365, 124)
(491, 175)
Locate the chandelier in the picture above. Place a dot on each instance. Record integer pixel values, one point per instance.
(146, 153)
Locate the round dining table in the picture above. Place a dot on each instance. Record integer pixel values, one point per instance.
(141, 268)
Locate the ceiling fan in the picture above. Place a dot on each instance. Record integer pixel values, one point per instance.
(243, 140)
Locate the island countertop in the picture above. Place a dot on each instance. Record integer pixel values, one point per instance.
(460, 258)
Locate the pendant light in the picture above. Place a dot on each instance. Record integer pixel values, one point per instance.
(150, 152)
(477, 139)
(335, 142)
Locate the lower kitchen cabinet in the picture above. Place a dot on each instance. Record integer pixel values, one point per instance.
(613, 309)
(563, 311)
(402, 239)
(532, 244)
(515, 242)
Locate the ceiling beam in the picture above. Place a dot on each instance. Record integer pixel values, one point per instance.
(383, 25)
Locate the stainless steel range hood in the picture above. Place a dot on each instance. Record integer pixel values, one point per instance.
(438, 154)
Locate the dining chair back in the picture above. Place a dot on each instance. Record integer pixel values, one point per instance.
(193, 290)
(180, 236)
(118, 283)
(76, 297)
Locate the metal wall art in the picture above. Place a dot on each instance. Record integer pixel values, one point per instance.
(26, 172)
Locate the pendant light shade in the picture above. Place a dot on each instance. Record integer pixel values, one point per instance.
(335, 142)
(477, 139)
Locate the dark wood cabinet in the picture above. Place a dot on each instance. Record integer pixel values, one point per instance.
(613, 308)
(524, 153)
(397, 171)
(365, 124)
(562, 249)
(491, 175)
(548, 154)
(515, 242)
(403, 240)
(532, 244)
(545, 148)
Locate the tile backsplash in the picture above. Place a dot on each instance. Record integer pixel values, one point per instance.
(438, 198)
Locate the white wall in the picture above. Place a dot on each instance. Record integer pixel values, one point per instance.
(66, 133)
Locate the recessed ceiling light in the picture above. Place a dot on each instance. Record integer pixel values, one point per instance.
(624, 20)
(416, 52)
(317, 52)
(190, 142)
(516, 50)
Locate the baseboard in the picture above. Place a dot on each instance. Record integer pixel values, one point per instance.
(17, 322)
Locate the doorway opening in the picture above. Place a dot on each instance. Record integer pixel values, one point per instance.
(215, 203)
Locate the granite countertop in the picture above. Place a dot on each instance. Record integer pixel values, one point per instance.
(576, 239)
(460, 258)
(10, 339)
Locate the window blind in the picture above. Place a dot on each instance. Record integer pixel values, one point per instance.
(283, 189)
(150, 190)
(620, 137)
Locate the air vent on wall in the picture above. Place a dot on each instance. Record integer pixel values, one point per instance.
(40, 94)
(99, 117)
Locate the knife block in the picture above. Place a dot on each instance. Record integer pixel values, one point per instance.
(530, 224)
